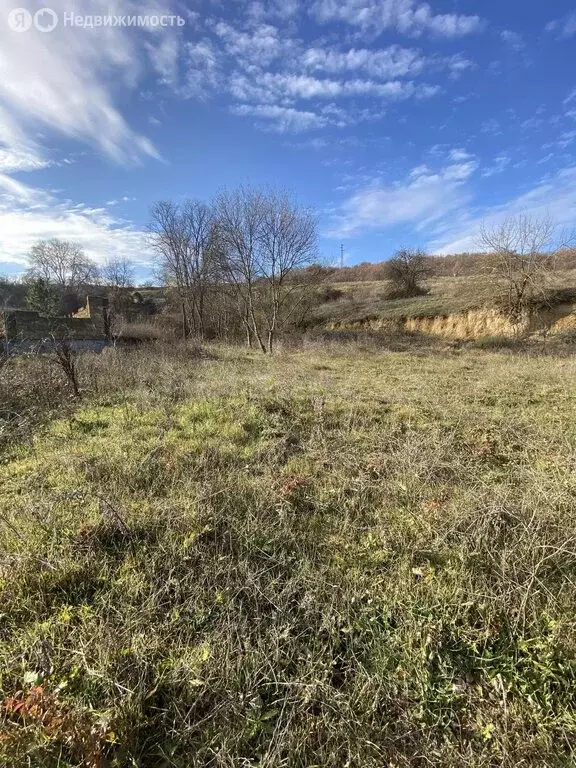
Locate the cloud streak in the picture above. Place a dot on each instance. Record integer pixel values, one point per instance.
(424, 197)
(59, 83)
(405, 16)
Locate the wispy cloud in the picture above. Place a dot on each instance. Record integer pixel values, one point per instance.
(259, 60)
(260, 45)
(18, 160)
(422, 198)
(554, 198)
(500, 164)
(282, 119)
(61, 83)
(385, 63)
(271, 87)
(406, 16)
(512, 40)
(28, 214)
(564, 27)
(203, 70)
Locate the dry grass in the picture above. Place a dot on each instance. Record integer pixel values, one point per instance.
(336, 556)
(366, 303)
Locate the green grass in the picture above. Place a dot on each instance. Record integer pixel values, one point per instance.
(337, 556)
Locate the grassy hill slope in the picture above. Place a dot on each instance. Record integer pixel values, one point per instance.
(363, 302)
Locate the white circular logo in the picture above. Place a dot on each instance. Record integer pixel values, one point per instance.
(20, 20)
(45, 20)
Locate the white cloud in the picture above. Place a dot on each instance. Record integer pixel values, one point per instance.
(566, 139)
(459, 155)
(406, 16)
(282, 119)
(554, 198)
(564, 27)
(28, 214)
(60, 82)
(260, 46)
(384, 63)
(491, 126)
(424, 197)
(204, 72)
(259, 10)
(272, 87)
(512, 39)
(165, 58)
(16, 160)
(391, 62)
(501, 162)
(440, 205)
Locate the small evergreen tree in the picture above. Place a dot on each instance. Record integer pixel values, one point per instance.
(43, 297)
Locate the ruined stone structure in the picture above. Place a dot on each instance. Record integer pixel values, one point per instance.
(90, 324)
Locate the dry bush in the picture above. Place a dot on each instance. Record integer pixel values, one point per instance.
(405, 272)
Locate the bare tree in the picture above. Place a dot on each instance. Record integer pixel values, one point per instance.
(118, 273)
(183, 236)
(406, 270)
(62, 263)
(288, 243)
(240, 216)
(263, 238)
(522, 252)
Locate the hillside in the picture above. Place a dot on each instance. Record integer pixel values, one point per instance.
(365, 304)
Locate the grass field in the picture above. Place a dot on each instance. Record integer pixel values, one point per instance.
(336, 556)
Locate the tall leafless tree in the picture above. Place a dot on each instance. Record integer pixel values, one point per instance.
(288, 243)
(65, 266)
(239, 215)
(118, 273)
(62, 263)
(182, 236)
(263, 239)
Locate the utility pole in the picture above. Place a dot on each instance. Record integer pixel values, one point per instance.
(342, 256)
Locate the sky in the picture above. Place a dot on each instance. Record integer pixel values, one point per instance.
(399, 122)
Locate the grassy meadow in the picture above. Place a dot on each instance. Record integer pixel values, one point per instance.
(337, 556)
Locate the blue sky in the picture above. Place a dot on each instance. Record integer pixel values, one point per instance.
(400, 122)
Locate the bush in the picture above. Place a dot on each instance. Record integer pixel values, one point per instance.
(405, 271)
(329, 293)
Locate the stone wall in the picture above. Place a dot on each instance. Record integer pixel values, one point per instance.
(25, 325)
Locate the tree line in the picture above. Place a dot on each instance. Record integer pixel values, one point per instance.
(246, 264)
